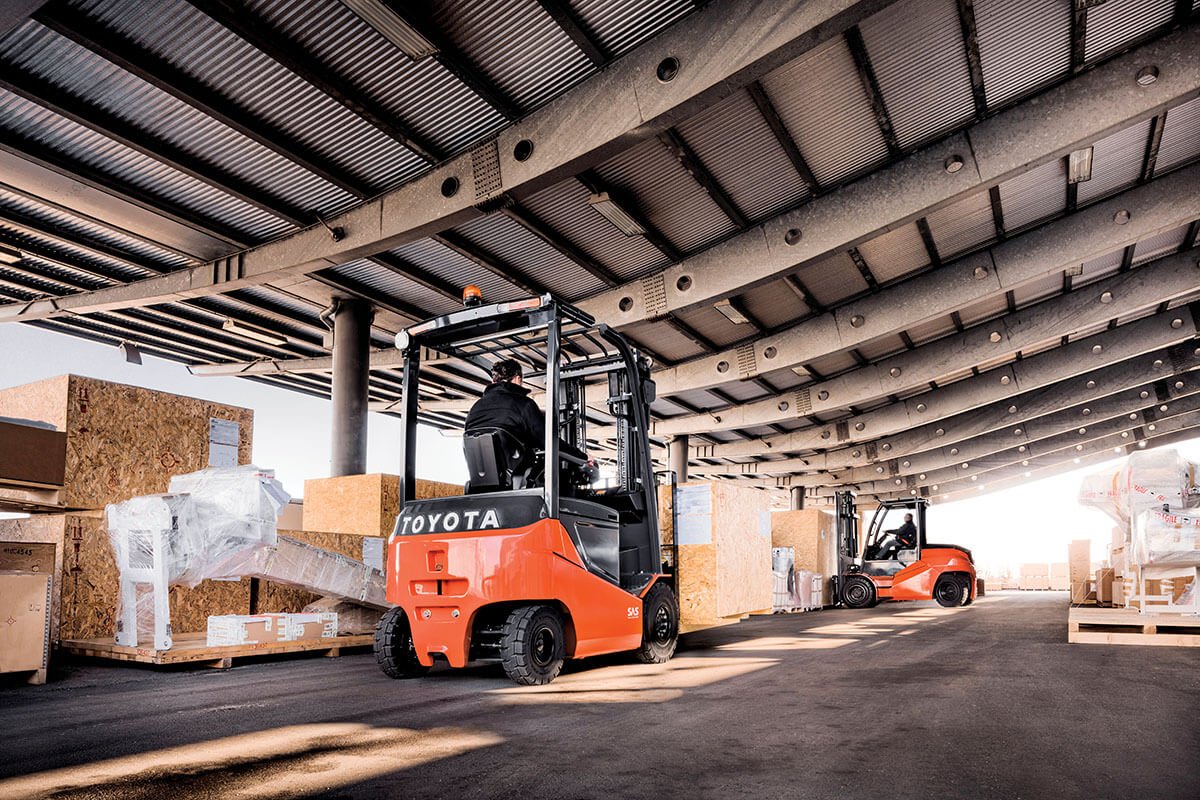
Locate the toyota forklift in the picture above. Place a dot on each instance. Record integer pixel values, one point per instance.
(893, 566)
(547, 556)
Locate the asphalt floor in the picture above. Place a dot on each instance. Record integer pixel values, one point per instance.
(904, 700)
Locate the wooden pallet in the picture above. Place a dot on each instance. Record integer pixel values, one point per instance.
(1127, 626)
(190, 648)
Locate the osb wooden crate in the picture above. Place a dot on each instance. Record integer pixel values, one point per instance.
(123, 441)
(812, 534)
(724, 549)
(364, 505)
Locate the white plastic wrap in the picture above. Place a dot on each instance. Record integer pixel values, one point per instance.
(321, 571)
(1145, 481)
(1166, 537)
(178, 538)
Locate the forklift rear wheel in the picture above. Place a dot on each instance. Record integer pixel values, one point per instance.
(394, 650)
(533, 645)
(660, 625)
(949, 592)
(858, 592)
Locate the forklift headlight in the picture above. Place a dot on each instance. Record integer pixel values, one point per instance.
(402, 340)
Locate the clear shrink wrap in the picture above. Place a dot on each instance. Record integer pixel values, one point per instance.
(322, 571)
(180, 537)
(1166, 537)
(1146, 480)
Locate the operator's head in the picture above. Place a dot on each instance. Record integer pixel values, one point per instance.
(506, 370)
(908, 517)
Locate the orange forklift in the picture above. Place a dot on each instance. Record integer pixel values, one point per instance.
(542, 559)
(896, 562)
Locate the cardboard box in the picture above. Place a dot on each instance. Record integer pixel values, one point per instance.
(311, 626)
(364, 505)
(25, 623)
(235, 629)
(1104, 586)
(1118, 591)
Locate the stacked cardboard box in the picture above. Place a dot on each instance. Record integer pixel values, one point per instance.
(237, 629)
(1035, 576)
(1079, 564)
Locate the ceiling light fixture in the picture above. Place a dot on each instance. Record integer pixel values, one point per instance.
(393, 28)
(731, 312)
(248, 331)
(612, 211)
(131, 352)
(1079, 166)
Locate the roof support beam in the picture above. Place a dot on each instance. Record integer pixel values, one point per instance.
(1168, 430)
(901, 421)
(1016, 442)
(565, 16)
(1128, 293)
(1090, 106)
(568, 137)
(1155, 208)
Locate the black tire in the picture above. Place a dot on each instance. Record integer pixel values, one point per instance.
(949, 591)
(858, 592)
(533, 645)
(968, 598)
(394, 651)
(660, 625)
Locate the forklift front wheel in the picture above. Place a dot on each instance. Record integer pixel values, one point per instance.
(394, 650)
(858, 592)
(533, 645)
(660, 625)
(949, 592)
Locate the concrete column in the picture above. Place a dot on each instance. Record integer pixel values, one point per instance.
(677, 457)
(797, 498)
(351, 342)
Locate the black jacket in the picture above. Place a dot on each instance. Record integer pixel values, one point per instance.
(506, 405)
(907, 534)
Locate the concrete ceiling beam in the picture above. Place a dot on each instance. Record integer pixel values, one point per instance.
(1120, 296)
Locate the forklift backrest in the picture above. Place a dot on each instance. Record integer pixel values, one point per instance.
(495, 461)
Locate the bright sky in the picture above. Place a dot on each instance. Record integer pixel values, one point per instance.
(1030, 523)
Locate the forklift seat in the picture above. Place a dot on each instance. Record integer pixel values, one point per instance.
(496, 461)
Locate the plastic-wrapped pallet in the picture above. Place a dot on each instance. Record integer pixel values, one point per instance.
(180, 538)
(786, 594)
(1146, 480)
(1165, 537)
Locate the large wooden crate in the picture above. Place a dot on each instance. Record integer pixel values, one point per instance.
(124, 441)
(724, 550)
(812, 534)
(363, 505)
(24, 623)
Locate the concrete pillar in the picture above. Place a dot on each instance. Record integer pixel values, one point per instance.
(677, 457)
(797, 498)
(351, 343)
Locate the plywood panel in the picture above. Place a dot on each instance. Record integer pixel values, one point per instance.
(123, 441)
(363, 505)
(724, 545)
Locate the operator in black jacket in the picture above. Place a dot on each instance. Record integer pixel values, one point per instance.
(506, 404)
(903, 538)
